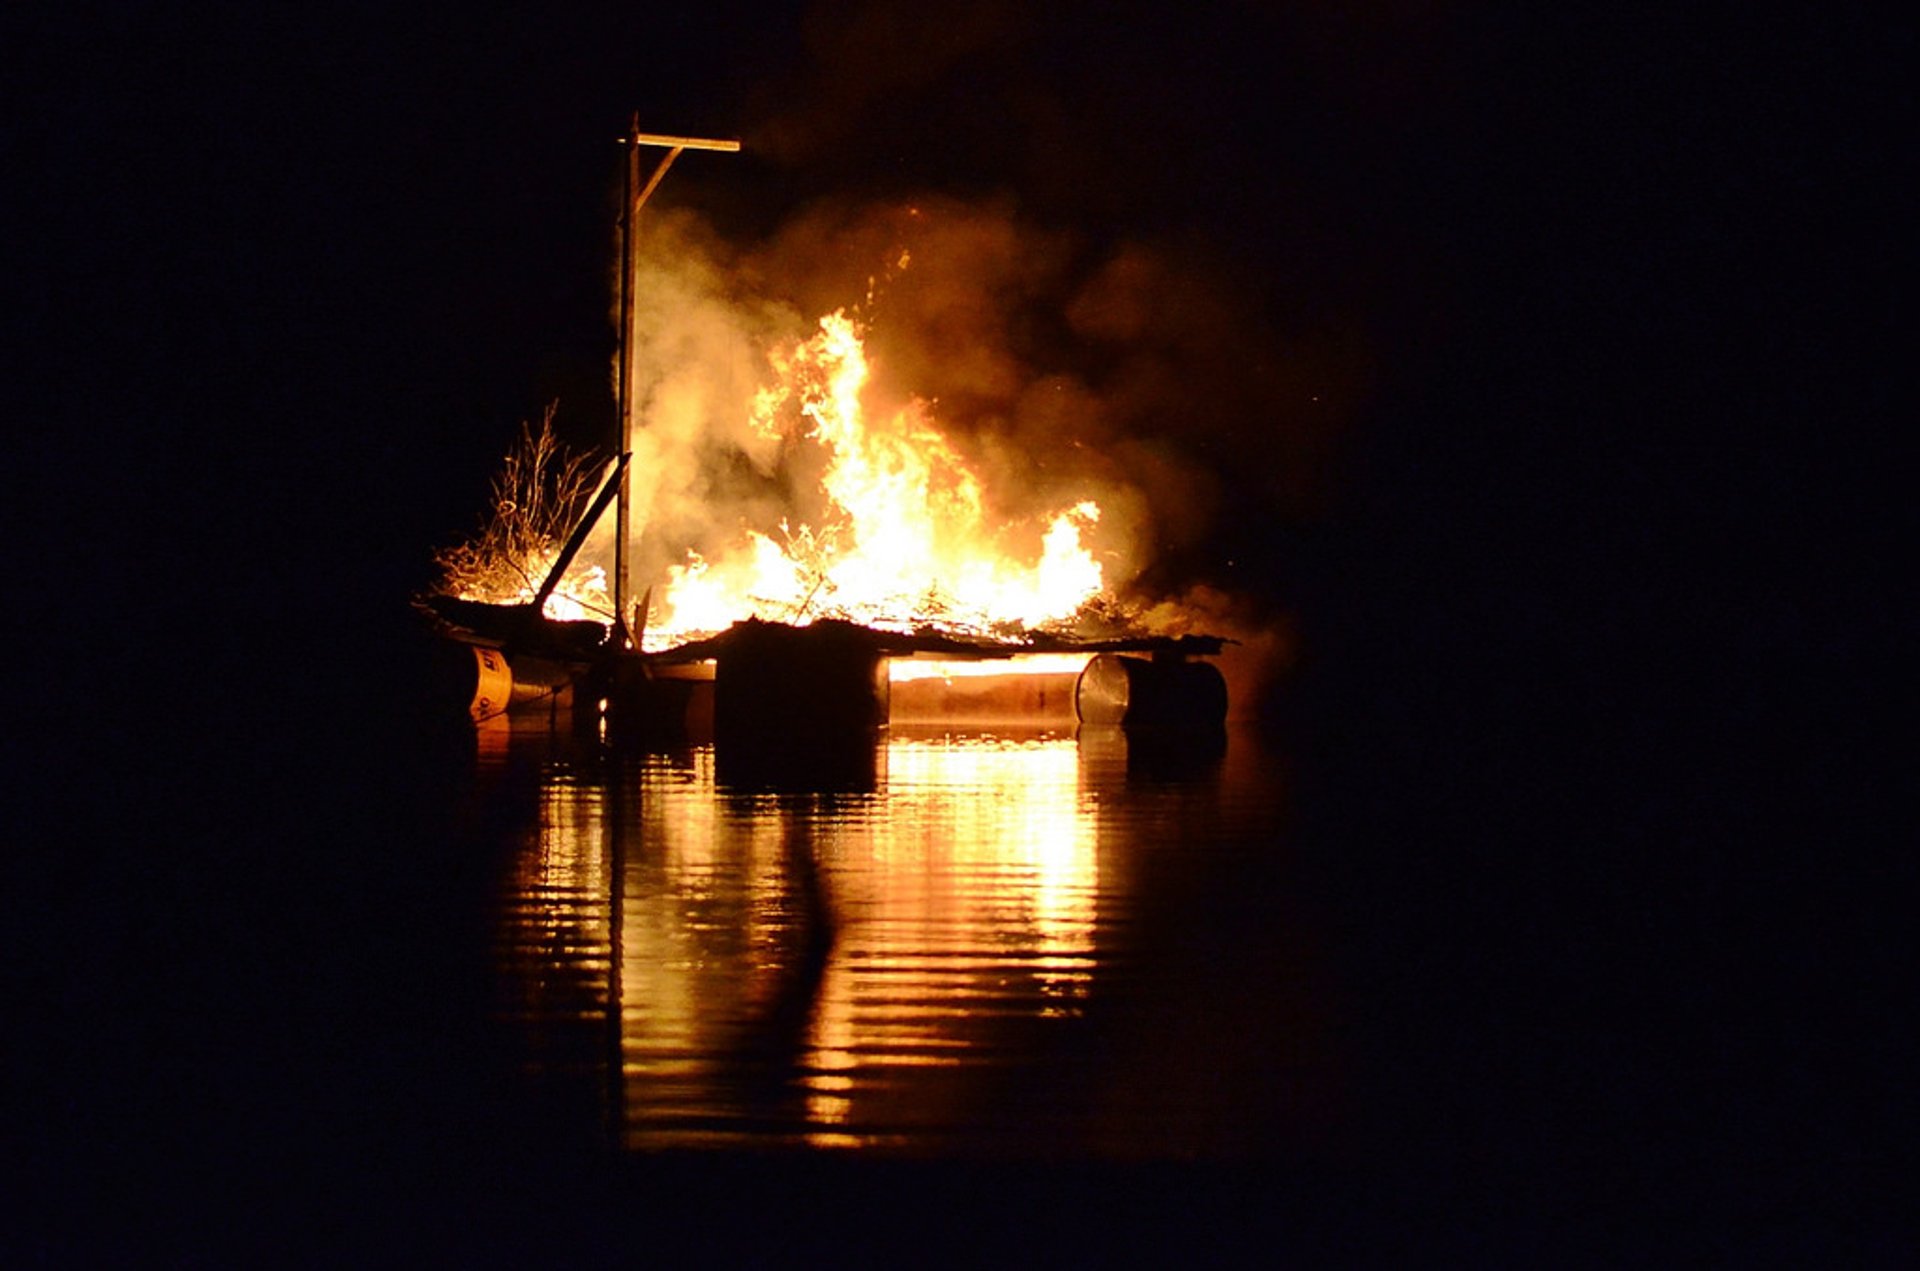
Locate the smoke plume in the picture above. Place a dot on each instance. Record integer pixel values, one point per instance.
(1062, 370)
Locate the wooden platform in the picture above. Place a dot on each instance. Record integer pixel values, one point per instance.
(928, 643)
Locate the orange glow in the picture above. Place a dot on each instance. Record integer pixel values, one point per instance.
(968, 895)
(582, 594)
(972, 836)
(905, 670)
(904, 539)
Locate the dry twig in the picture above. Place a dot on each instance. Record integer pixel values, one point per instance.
(540, 492)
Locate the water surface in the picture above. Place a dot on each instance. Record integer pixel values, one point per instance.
(1003, 944)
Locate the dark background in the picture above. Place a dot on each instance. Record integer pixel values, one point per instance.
(1588, 592)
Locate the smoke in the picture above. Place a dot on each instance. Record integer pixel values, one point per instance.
(1180, 219)
(869, 64)
(1062, 369)
(1262, 648)
(1091, 337)
(701, 474)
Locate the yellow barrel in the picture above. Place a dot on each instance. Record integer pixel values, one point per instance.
(492, 684)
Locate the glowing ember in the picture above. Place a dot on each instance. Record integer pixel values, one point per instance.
(903, 539)
(582, 594)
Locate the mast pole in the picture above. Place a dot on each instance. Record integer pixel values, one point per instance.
(623, 424)
(632, 199)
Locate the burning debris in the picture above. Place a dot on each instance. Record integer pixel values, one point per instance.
(883, 521)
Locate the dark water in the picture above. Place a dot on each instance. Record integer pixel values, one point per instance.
(996, 946)
(1027, 991)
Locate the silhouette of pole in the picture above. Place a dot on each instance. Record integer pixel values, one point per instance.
(633, 199)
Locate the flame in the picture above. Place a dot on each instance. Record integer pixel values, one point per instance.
(583, 593)
(903, 539)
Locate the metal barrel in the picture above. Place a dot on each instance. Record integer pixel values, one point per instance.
(471, 678)
(1150, 693)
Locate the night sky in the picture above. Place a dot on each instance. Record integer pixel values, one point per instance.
(1550, 338)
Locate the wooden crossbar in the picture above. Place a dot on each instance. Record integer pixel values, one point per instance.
(682, 143)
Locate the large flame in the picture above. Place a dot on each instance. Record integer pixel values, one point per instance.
(903, 537)
(897, 535)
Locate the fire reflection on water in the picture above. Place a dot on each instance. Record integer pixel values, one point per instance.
(792, 965)
(911, 966)
(971, 898)
(554, 931)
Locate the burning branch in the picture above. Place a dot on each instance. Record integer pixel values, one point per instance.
(538, 495)
(812, 553)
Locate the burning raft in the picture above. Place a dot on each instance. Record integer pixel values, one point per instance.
(823, 678)
(828, 677)
(901, 509)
